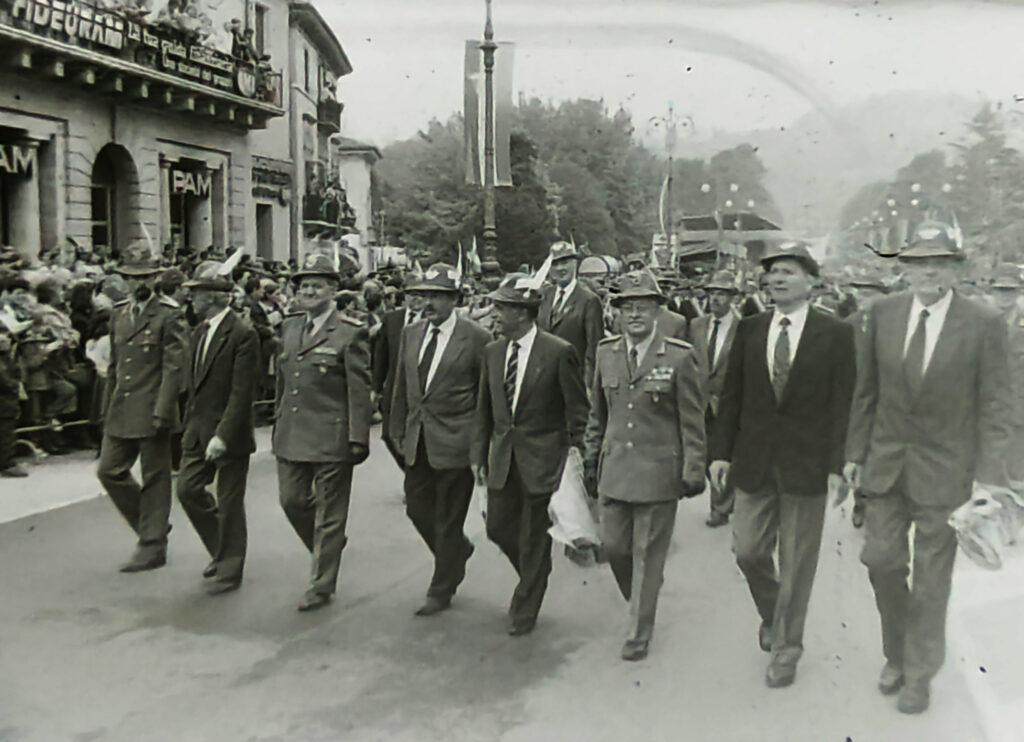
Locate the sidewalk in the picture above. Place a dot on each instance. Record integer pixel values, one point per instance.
(58, 481)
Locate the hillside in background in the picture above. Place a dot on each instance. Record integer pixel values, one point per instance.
(814, 166)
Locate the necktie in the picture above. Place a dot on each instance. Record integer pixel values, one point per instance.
(428, 358)
(511, 371)
(713, 342)
(633, 361)
(556, 308)
(201, 347)
(781, 358)
(307, 331)
(913, 364)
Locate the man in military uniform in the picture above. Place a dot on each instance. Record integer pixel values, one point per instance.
(644, 448)
(570, 310)
(322, 420)
(141, 407)
(1006, 292)
(222, 375)
(711, 336)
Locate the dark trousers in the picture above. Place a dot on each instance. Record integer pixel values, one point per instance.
(723, 499)
(315, 498)
(913, 617)
(7, 439)
(635, 536)
(761, 521)
(436, 501)
(219, 522)
(146, 507)
(517, 521)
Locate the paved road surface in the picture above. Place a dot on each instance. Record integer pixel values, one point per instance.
(91, 655)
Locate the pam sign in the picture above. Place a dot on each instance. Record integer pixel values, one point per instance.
(17, 160)
(190, 183)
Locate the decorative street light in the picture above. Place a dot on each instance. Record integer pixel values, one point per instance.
(489, 264)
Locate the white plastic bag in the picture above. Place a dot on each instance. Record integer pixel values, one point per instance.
(573, 520)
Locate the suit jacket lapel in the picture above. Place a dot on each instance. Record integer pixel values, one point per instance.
(560, 313)
(320, 336)
(651, 357)
(143, 320)
(949, 341)
(451, 353)
(803, 360)
(533, 366)
(220, 336)
(759, 336)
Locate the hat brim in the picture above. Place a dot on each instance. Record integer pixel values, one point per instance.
(209, 285)
(497, 298)
(930, 249)
(424, 287)
(721, 287)
(809, 264)
(296, 277)
(1006, 286)
(617, 299)
(137, 272)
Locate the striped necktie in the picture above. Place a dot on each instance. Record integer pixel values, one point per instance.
(782, 359)
(511, 372)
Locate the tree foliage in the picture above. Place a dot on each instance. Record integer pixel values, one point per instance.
(578, 173)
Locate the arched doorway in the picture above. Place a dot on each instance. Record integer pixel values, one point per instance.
(115, 200)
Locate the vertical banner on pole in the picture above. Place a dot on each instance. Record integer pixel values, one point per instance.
(474, 112)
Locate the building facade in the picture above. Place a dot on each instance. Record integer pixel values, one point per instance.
(354, 163)
(163, 121)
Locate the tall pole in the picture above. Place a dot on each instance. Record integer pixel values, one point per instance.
(489, 264)
(670, 145)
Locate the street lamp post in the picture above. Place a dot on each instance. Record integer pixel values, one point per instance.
(489, 264)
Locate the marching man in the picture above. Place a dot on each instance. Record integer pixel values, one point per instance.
(644, 448)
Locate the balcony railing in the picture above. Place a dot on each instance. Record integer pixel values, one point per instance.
(121, 54)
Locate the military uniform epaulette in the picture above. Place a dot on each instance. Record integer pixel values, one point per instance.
(680, 343)
(610, 339)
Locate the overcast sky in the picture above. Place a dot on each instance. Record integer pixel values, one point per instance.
(730, 64)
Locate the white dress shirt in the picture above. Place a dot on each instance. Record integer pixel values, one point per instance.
(525, 346)
(932, 327)
(562, 296)
(212, 324)
(445, 330)
(797, 320)
(641, 348)
(724, 325)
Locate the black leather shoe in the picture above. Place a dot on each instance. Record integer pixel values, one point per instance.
(221, 586)
(716, 520)
(891, 679)
(141, 562)
(780, 676)
(634, 650)
(210, 570)
(521, 628)
(433, 606)
(764, 637)
(313, 601)
(913, 698)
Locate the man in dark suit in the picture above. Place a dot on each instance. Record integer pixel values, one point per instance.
(147, 339)
(570, 310)
(930, 421)
(222, 374)
(322, 419)
(436, 385)
(532, 407)
(384, 362)
(711, 336)
(779, 436)
(644, 449)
